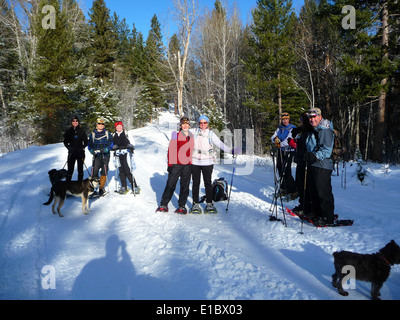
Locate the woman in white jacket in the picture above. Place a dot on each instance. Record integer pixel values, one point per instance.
(203, 162)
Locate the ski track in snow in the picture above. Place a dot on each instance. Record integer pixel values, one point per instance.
(124, 250)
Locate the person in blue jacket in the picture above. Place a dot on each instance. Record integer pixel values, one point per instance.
(319, 146)
(100, 143)
(285, 155)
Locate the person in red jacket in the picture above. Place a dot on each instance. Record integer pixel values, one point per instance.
(180, 152)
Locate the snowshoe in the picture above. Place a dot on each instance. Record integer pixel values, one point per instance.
(181, 210)
(136, 190)
(320, 222)
(162, 209)
(210, 208)
(123, 190)
(196, 209)
(98, 194)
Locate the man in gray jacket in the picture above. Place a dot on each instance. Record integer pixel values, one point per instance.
(319, 146)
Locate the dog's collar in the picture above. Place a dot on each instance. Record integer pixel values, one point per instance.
(384, 259)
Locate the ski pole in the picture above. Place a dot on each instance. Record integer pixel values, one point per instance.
(116, 171)
(230, 190)
(304, 197)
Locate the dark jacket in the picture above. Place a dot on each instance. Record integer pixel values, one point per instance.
(121, 141)
(100, 141)
(320, 142)
(75, 140)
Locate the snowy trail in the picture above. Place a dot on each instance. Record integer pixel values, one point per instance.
(124, 250)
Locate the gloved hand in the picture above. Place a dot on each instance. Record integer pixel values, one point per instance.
(310, 157)
(292, 143)
(169, 169)
(174, 135)
(106, 150)
(236, 151)
(277, 142)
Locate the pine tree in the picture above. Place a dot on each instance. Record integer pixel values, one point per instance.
(53, 71)
(154, 56)
(270, 66)
(103, 52)
(137, 56)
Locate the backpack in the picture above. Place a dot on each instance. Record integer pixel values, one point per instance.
(220, 190)
(338, 150)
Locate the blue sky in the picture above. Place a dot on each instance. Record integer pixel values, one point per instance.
(140, 12)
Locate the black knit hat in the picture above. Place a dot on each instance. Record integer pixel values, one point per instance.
(75, 118)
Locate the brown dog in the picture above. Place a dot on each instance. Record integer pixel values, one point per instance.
(81, 189)
(374, 268)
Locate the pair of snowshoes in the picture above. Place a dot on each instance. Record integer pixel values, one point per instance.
(180, 210)
(196, 209)
(124, 190)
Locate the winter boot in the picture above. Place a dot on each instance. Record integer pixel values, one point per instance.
(123, 190)
(181, 210)
(196, 209)
(162, 209)
(210, 208)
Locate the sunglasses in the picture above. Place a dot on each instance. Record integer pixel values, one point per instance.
(203, 122)
(100, 123)
(185, 122)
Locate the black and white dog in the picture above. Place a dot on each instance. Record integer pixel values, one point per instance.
(81, 189)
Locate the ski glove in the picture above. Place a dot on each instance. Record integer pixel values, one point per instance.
(292, 143)
(277, 142)
(310, 157)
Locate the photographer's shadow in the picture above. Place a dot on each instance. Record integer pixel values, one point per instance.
(109, 277)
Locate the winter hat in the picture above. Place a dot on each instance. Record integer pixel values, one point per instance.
(118, 123)
(285, 115)
(204, 117)
(184, 119)
(314, 112)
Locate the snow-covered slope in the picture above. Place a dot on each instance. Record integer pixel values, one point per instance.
(124, 250)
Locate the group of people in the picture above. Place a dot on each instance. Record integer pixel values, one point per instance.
(190, 156)
(100, 143)
(310, 146)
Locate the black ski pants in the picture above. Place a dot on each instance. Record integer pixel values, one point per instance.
(284, 166)
(124, 171)
(100, 162)
(196, 175)
(79, 158)
(176, 172)
(320, 193)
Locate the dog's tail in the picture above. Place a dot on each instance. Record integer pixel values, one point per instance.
(51, 197)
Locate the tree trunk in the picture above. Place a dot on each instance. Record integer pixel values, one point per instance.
(376, 154)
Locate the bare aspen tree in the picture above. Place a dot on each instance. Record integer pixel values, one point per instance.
(218, 52)
(186, 16)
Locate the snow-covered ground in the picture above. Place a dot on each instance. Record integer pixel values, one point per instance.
(124, 250)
